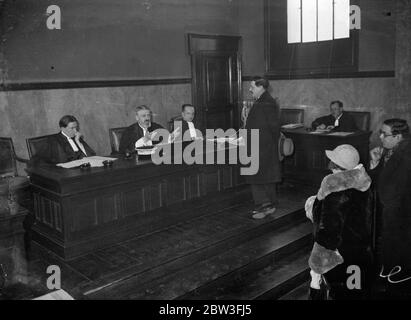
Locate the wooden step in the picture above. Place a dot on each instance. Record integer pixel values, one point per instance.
(186, 243)
(170, 282)
(263, 278)
(298, 293)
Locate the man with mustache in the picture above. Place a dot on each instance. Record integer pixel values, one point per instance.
(140, 133)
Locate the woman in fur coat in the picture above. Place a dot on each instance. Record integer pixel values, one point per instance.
(342, 221)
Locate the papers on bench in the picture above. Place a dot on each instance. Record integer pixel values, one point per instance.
(94, 161)
(340, 134)
(292, 126)
(232, 140)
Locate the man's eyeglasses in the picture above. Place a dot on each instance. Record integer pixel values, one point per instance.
(384, 134)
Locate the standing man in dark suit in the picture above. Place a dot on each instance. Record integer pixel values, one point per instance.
(390, 169)
(338, 120)
(67, 145)
(264, 116)
(140, 133)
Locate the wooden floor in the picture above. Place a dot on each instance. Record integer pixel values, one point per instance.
(217, 252)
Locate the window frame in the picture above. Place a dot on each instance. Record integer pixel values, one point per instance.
(297, 69)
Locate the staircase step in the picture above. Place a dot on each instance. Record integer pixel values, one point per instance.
(299, 293)
(190, 242)
(190, 274)
(268, 283)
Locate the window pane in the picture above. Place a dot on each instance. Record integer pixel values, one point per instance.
(294, 21)
(341, 19)
(325, 20)
(309, 9)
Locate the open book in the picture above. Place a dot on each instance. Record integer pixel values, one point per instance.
(95, 161)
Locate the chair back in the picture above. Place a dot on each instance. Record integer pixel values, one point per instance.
(170, 123)
(115, 138)
(291, 115)
(8, 166)
(362, 119)
(35, 144)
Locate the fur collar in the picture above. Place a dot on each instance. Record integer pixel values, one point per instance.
(350, 179)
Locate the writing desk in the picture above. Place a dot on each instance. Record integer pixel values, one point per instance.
(78, 211)
(308, 164)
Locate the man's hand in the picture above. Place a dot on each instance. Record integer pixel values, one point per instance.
(375, 156)
(321, 127)
(149, 136)
(174, 135)
(330, 127)
(78, 136)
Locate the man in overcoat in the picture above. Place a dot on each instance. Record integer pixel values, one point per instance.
(264, 115)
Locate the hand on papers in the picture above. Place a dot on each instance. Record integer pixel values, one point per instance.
(174, 135)
(149, 136)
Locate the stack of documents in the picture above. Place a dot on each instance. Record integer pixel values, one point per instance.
(341, 134)
(292, 126)
(94, 161)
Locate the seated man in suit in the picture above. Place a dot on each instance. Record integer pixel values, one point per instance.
(338, 120)
(187, 114)
(140, 133)
(65, 146)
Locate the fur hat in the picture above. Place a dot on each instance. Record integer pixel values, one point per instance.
(345, 156)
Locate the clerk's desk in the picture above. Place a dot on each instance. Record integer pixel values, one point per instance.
(308, 164)
(78, 211)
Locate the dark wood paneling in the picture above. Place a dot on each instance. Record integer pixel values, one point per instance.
(133, 201)
(101, 207)
(91, 84)
(175, 190)
(360, 74)
(107, 208)
(227, 177)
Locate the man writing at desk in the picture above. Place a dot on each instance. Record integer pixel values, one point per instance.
(338, 120)
(141, 133)
(68, 145)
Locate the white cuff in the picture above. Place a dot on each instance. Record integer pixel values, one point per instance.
(140, 143)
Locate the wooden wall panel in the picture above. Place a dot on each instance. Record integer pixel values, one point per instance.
(133, 201)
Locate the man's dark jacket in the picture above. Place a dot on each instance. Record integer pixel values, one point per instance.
(134, 133)
(58, 150)
(392, 180)
(346, 123)
(265, 116)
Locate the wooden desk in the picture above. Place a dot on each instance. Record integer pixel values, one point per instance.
(81, 210)
(309, 163)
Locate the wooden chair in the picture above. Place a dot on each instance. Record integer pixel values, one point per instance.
(115, 138)
(170, 123)
(35, 144)
(11, 182)
(362, 119)
(291, 115)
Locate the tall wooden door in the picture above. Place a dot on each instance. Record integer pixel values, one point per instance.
(216, 81)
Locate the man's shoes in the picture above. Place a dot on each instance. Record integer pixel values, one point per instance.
(263, 211)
